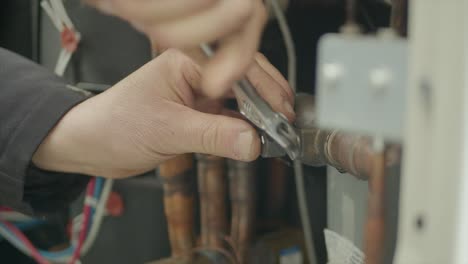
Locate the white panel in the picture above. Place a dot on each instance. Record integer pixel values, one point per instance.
(347, 205)
(462, 241)
(433, 164)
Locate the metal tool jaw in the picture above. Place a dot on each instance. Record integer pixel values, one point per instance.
(277, 135)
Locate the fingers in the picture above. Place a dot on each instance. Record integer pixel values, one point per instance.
(149, 12)
(267, 80)
(236, 24)
(152, 12)
(217, 135)
(275, 74)
(234, 54)
(206, 26)
(271, 90)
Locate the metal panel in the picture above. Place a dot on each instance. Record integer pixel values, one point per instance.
(431, 199)
(361, 84)
(347, 205)
(110, 49)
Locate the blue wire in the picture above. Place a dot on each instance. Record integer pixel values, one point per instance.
(98, 187)
(69, 251)
(97, 192)
(56, 254)
(46, 254)
(26, 225)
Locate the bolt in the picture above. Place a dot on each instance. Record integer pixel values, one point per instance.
(332, 73)
(380, 78)
(426, 92)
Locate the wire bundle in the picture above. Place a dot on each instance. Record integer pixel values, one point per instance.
(82, 240)
(69, 36)
(298, 171)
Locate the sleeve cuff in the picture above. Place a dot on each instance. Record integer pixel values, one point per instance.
(29, 134)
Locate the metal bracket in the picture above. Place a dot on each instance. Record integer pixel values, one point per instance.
(361, 83)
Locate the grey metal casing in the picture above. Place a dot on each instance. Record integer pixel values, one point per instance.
(361, 84)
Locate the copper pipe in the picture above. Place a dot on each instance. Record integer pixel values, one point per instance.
(242, 182)
(276, 193)
(179, 204)
(399, 17)
(351, 12)
(346, 152)
(375, 224)
(212, 188)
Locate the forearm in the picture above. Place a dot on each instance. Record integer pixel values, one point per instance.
(32, 101)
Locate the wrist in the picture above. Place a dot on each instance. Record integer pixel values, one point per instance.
(66, 147)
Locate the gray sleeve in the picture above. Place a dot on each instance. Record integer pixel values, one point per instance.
(32, 101)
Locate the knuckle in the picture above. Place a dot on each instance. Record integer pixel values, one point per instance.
(163, 34)
(244, 8)
(284, 95)
(175, 58)
(209, 137)
(173, 53)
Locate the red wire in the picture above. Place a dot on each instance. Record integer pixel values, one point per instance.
(84, 226)
(5, 209)
(32, 249)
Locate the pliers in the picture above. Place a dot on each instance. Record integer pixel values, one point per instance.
(278, 136)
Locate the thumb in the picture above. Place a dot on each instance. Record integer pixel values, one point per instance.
(218, 135)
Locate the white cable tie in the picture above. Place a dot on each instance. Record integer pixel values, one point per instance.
(57, 19)
(53, 17)
(91, 201)
(62, 13)
(58, 66)
(66, 60)
(62, 62)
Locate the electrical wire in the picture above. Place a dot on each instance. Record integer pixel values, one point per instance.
(95, 221)
(10, 237)
(298, 170)
(34, 253)
(288, 42)
(84, 228)
(98, 216)
(55, 256)
(69, 36)
(304, 211)
(100, 193)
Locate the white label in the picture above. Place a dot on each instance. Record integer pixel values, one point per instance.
(291, 255)
(340, 250)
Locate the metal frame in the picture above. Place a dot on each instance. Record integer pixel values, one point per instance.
(433, 220)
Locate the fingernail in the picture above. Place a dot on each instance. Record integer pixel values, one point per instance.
(288, 108)
(245, 145)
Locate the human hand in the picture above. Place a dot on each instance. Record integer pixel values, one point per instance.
(236, 25)
(159, 111)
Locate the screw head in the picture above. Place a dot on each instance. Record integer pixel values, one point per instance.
(380, 79)
(332, 73)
